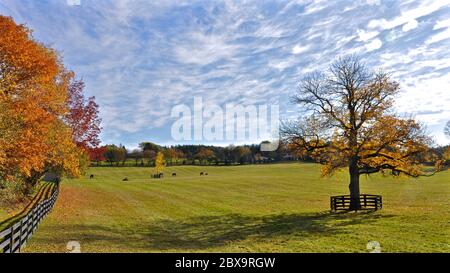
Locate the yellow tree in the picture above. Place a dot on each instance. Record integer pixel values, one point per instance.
(348, 123)
(159, 163)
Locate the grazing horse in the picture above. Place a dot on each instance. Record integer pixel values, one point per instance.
(174, 174)
(91, 177)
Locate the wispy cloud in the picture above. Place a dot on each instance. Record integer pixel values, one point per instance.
(140, 58)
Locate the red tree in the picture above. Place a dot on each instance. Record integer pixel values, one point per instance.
(83, 116)
(97, 154)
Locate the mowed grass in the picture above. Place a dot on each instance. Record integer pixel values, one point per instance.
(256, 208)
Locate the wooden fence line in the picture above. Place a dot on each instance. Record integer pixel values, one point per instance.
(15, 237)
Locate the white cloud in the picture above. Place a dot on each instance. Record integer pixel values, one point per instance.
(204, 49)
(297, 49)
(280, 65)
(410, 25)
(425, 8)
(443, 35)
(366, 35)
(373, 2)
(427, 100)
(140, 58)
(442, 24)
(374, 45)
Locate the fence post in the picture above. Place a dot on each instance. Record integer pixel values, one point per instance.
(365, 201)
(20, 235)
(11, 246)
(33, 218)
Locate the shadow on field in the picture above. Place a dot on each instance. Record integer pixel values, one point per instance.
(197, 233)
(213, 231)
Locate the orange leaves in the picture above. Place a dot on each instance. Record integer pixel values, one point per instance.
(24, 62)
(34, 92)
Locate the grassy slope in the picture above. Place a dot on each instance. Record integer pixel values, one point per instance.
(42, 192)
(258, 208)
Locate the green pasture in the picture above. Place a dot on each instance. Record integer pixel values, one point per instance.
(253, 208)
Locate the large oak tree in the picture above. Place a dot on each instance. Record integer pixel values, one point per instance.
(348, 122)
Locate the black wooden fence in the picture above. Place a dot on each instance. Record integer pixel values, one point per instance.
(15, 237)
(367, 202)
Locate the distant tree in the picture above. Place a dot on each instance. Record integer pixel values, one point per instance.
(137, 155)
(229, 154)
(258, 158)
(205, 155)
(241, 154)
(97, 154)
(123, 154)
(348, 124)
(159, 163)
(150, 155)
(171, 154)
(115, 154)
(145, 146)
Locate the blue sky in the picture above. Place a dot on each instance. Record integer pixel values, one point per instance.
(141, 58)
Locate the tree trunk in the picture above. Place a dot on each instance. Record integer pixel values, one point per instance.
(354, 185)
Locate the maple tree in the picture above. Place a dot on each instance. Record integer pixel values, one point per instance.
(38, 103)
(83, 116)
(97, 154)
(30, 98)
(349, 123)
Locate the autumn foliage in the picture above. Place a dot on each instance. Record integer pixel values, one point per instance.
(159, 163)
(45, 122)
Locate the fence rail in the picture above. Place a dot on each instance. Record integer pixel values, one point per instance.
(367, 202)
(15, 237)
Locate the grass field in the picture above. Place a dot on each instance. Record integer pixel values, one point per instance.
(256, 208)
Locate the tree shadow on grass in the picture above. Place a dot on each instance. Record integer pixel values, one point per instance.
(215, 231)
(203, 232)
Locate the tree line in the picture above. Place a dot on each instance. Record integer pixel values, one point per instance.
(145, 155)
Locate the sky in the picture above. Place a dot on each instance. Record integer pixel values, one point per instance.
(142, 58)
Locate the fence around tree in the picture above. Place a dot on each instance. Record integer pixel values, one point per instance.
(367, 202)
(14, 237)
